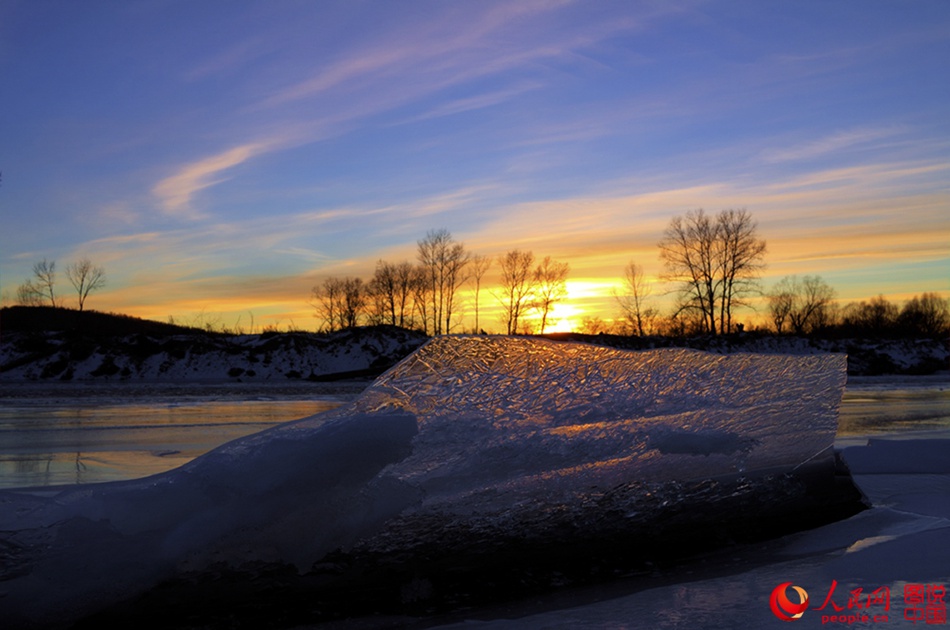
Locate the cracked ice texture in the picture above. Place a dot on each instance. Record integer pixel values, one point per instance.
(505, 418)
(495, 431)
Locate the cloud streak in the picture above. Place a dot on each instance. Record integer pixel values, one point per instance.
(176, 192)
(839, 141)
(310, 140)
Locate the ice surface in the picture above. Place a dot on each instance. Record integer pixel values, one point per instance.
(288, 494)
(469, 436)
(903, 539)
(502, 418)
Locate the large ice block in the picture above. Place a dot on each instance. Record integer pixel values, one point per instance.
(520, 458)
(506, 417)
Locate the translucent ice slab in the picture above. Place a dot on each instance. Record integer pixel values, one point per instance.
(505, 417)
(509, 457)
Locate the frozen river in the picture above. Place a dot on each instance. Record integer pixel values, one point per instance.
(57, 435)
(54, 435)
(79, 433)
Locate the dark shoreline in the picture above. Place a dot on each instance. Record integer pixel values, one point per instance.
(50, 392)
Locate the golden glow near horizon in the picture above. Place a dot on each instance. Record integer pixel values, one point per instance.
(217, 184)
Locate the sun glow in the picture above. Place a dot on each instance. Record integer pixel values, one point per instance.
(564, 318)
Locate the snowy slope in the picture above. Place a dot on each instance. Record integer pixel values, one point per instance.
(201, 357)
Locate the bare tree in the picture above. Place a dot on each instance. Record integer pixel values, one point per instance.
(805, 304)
(715, 262)
(390, 291)
(340, 302)
(480, 265)
(633, 301)
(741, 256)
(594, 326)
(45, 274)
(444, 261)
(927, 316)
(421, 290)
(404, 273)
(382, 292)
(39, 289)
(354, 302)
(550, 287)
(781, 302)
(516, 286)
(326, 300)
(687, 252)
(27, 294)
(877, 316)
(85, 278)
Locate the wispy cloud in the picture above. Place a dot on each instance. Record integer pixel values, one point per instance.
(838, 141)
(175, 192)
(459, 44)
(480, 101)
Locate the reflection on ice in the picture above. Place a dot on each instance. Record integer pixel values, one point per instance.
(554, 461)
(77, 441)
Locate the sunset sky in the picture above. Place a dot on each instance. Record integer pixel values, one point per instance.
(219, 159)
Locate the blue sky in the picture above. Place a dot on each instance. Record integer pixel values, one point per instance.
(221, 158)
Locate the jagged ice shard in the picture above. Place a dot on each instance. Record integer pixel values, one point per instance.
(475, 456)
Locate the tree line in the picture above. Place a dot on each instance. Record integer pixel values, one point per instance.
(40, 288)
(712, 261)
(806, 306)
(713, 264)
(424, 294)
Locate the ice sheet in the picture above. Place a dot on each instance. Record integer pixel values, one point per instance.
(514, 417)
(903, 540)
(495, 435)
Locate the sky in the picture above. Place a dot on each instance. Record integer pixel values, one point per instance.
(219, 159)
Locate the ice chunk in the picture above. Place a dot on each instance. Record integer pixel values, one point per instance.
(473, 451)
(525, 417)
(288, 494)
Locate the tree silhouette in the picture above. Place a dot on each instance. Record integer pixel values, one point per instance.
(340, 302)
(390, 291)
(480, 265)
(516, 286)
(633, 300)
(443, 261)
(805, 304)
(877, 316)
(40, 288)
(927, 315)
(85, 278)
(550, 287)
(715, 262)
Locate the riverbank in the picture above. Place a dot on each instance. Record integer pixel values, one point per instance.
(56, 345)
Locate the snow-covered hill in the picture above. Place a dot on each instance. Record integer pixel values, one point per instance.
(55, 344)
(204, 357)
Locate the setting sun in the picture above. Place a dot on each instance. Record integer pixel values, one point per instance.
(428, 312)
(313, 141)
